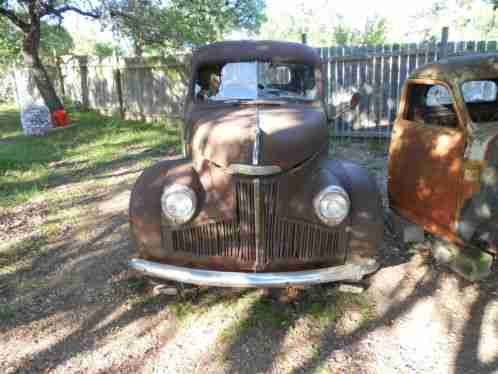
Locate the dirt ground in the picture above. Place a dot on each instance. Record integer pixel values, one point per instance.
(68, 304)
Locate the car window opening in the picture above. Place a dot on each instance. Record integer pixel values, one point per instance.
(255, 81)
(432, 105)
(481, 100)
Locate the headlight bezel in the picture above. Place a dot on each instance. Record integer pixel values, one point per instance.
(178, 189)
(337, 190)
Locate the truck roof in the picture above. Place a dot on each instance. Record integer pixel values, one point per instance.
(248, 50)
(461, 68)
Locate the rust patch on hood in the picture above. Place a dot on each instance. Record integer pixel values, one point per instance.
(224, 135)
(290, 134)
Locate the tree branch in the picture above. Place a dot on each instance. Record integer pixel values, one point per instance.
(14, 18)
(70, 8)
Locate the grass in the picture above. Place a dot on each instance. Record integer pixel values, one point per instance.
(55, 175)
(7, 312)
(317, 308)
(19, 255)
(31, 166)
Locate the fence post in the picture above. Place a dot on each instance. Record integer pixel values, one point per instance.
(443, 48)
(83, 67)
(119, 91)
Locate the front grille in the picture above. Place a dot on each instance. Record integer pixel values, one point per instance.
(280, 238)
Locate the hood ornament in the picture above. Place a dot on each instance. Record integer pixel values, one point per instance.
(255, 169)
(257, 141)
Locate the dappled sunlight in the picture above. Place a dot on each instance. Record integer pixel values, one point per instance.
(424, 189)
(77, 307)
(443, 144)
(30, 166)
(489, 334)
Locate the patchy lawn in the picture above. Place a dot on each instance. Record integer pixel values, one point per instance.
(31, 167)
(68, 304)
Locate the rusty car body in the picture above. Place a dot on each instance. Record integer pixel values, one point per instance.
(443, 159)
(256, 201)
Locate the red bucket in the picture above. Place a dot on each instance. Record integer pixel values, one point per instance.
(60, 118)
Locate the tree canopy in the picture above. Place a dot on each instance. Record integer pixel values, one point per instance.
(181, 23)
(10, 42)
(55, 41)
(322, 25)
(31, 18)
(466, 19)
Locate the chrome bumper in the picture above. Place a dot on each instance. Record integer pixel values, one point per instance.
(349, 272)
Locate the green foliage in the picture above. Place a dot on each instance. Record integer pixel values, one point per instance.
(466, 19)
(104, 50)
(344, 35)
(182, 23)
(7, 312)
(55, 41)
(375, 32)
(322, 25)
(10, 42)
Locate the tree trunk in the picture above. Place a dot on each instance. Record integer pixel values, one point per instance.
(60, 75)
(32, 60)
(138, 48)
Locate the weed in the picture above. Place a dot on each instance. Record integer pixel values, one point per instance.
(7, 312)
(137, 283)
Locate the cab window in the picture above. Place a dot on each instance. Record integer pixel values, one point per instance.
(480, 97)
(430, 104)
(253, 80)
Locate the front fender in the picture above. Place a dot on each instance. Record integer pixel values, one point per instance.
(214, 197)
(145, 207)
(367, 214)
(366, 220)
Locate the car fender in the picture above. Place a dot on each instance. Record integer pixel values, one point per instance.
(145, 202)
(367, 214)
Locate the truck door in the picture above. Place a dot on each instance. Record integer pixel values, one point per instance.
(426, 157)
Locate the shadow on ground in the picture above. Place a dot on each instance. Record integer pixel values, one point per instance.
(76, 297)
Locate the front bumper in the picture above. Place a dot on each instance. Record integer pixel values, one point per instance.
(353, 272)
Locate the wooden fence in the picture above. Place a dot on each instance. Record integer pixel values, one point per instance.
(152, 88)
(148, 88)
(378, 73)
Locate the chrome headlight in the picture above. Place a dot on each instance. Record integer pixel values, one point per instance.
(178, 203)
(332, 205)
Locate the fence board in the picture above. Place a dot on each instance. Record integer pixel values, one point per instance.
(368, 88)
(393, 95)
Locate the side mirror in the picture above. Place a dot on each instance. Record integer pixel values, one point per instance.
(355, 100)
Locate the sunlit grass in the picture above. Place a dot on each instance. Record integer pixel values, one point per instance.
(31, 166)
(18, 255)
(316, 309)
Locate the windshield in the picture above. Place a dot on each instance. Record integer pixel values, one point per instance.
(481, 99)
(256, 81)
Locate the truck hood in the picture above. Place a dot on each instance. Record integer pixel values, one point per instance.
(289, 134)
